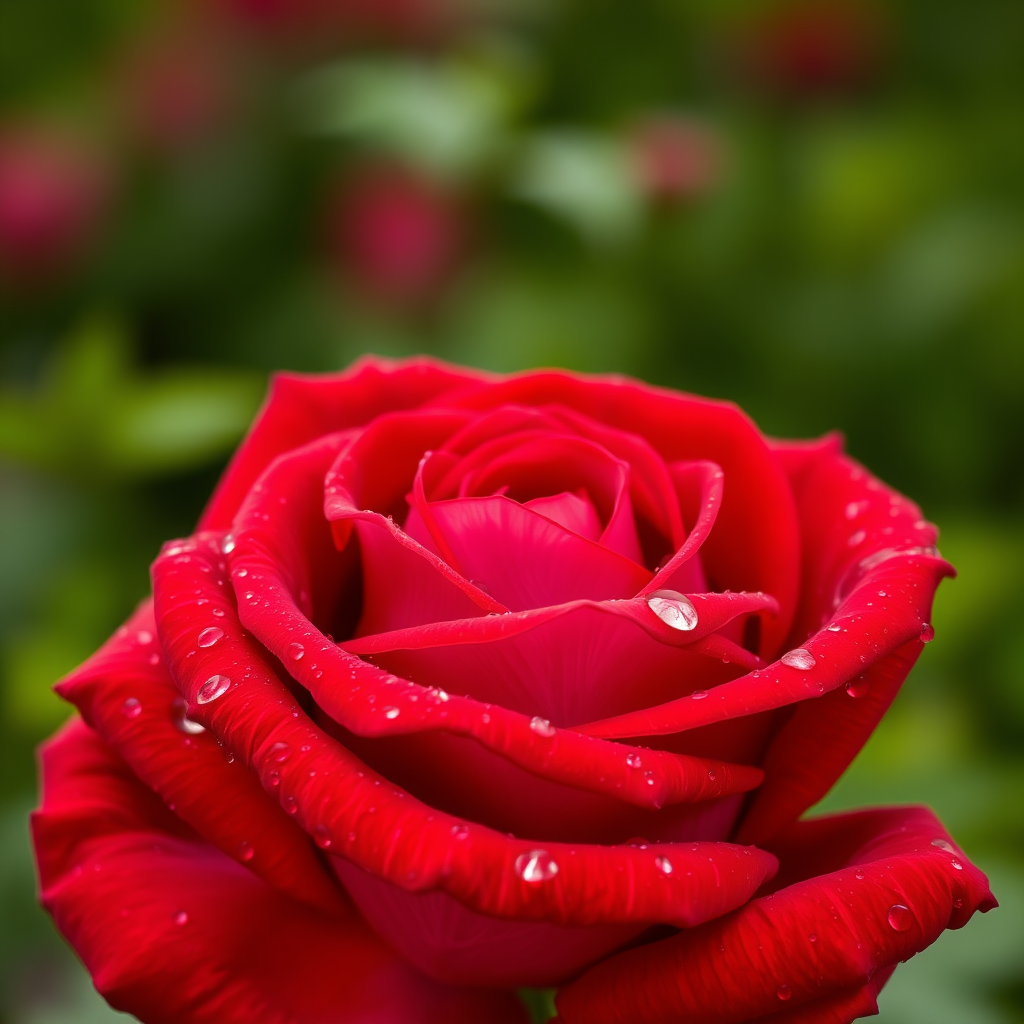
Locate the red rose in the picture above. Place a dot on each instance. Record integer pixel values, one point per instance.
(466, 683)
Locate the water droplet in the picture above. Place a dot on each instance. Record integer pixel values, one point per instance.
(956, 864)
(663, 864)
(181, 917)
(209, 636)
(242, 573)
(460, 831)
(943, 845)
(536, 866)
(833, 627)
(291, 805)
(900, 917)
(698, 694)
(859, 875)
(214, 687)
(854, 509)
(541, 726)
(812, 937)
(280, 752)
(131, 708)
(228, 544)
(179, 715)
(245, 851)
(857, 538)
(322, 837)
(958, 903)
(800, 658)
(859, 687)
(218, 612)
(674, 609)
(144, 637)
(296, 651)
(927, 633)
(633, 760)
(392, 713)
(711, 774)
(784, 992)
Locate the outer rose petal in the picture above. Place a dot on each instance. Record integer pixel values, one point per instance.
(865, 891)
(300, 409)
(176, 933)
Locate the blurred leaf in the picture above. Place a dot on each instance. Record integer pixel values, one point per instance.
(586, 180)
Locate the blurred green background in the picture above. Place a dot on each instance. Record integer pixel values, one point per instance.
(812, 207)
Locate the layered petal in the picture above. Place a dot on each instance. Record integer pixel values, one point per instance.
(175, 932)
(858, 894)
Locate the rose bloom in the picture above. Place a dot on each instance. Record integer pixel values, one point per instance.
(466, 683)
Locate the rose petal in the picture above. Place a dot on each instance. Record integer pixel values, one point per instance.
(299, 409)
(862, 892)
(175, 932)
(133, 704)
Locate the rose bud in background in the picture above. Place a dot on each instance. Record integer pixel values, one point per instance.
(324, 23)
(675, 157)
(52, 193)
(396, 236)
(180, 88)
(808, 48)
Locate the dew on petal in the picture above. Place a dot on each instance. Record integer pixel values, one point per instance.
(228, 544)
(858, 688)
(900, 917)
(833, 627)
(799, 658)
(541, 726)
(698, 694)
(280, 752)
(633, 760)
(784, 992)
(392, 713)
(214, 687)
(674, 609)
(179, 715)
(943, 845)
(536, 866)
(663, 864)
(460, 831)
(296, 651)
(322, 837)
(209, 636)
(927, 633)
(246, 851)
(131, 708)
(181, 918)
(144, 637)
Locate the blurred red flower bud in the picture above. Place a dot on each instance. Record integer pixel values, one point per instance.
(180, 88)
(396, 235)
(814, 47)
(329, 22)
(675, 158)
(51, 199)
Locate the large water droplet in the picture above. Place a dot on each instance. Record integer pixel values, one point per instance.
(900, 917)
(800, 658)
(131, 708)
(784, 992)
(228, 544)
(209, 636)
(214, 687)
(674, 609)
(280, 752)
(179, 715)
(927, 633)
(663, 864)
(833, 627)
(296, 651)
(541, 726)
(943, 845)
(698, 694)
(536, 866)
(392, 713)
(633, 760)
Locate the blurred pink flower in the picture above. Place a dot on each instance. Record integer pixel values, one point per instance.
(675, 158)
(396, 235)
(52, 193)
